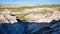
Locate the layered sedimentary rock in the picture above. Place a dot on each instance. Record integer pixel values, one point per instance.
(39, 17)
(5, 17)
(37, 10)
(32, 14)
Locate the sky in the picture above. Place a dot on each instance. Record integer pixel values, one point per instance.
(29, 1)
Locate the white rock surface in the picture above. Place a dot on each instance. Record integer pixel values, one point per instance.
(56, 15)
(11, 19)
(36, 16)
(44, 18)
(36, 10)
(5, 17)
(6, 11)
(48, 20)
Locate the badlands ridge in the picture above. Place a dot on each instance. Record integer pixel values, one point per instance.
(32, 14)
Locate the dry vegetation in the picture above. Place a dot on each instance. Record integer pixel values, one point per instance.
(20, 9)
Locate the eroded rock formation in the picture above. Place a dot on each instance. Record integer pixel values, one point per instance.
(5, 17)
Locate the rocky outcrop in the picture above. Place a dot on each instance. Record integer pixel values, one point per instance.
(43, 17)
(37, 10)
(5, 17)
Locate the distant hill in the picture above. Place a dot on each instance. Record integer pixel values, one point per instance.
(21, 5)
(13, 5)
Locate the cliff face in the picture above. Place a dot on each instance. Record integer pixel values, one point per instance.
(5, 17)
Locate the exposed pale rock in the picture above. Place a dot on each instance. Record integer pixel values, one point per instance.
(48, 20)
(11, 19)
(5, 17)
(5, 12)
(36, 10)
(36, 16)
(15, 13)
(33, 16)
(56, 15)
(31, 10)
(44, 18)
